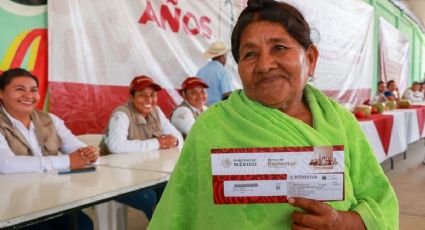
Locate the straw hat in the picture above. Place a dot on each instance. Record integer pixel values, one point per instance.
(216, 49)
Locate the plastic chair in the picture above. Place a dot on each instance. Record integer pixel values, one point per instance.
(111, 215)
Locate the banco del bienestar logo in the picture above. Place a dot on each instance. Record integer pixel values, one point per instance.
(169, 16)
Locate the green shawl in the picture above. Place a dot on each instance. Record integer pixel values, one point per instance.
(187, 202)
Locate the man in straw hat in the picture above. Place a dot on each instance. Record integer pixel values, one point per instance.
(214, 74)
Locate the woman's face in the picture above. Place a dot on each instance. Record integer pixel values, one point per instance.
(415, 87)
(196, 96)
(144, 100)
(381, 87)
(273, 66)
(20, 96)
(392, 86)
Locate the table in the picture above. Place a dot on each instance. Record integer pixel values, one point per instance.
(26, 197)
(374, 140)
(163, 160)
(405, 130)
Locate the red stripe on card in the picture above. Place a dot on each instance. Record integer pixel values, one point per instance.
(221, 178)
(250, 200)
(271, 149)
(338, 148)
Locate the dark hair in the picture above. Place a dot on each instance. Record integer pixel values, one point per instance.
(11, 74)
(282, 13)
(132, 92)
(380, 82)
(216, 58)
(390, 82)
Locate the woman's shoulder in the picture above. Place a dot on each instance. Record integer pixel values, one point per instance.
(218, 109)
(224, 113)
(328, 103)
(46, 115)
(122, 108)
(180, 110)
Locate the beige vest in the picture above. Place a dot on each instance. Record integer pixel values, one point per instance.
(139, 128)
(185, 104)
(45, 131)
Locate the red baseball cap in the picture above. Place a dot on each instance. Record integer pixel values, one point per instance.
(192, 82)
(141, 82)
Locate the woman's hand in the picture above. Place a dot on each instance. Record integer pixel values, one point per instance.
(167, 141)
(83, 156)
(90, 153)
(319, 215)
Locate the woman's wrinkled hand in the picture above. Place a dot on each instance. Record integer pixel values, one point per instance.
(318, 215)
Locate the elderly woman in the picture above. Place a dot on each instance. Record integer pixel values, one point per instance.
(271, 43)
(30, 140)
(137, 126)
(195, 96)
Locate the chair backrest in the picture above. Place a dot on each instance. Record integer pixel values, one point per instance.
(91, 139)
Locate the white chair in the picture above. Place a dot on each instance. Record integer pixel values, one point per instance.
(111, 215)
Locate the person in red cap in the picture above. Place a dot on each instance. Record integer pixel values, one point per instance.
(195, 96)
(140, 125)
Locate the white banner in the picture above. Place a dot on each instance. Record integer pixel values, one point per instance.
(343, 32)
(393, 55)
(97, 47)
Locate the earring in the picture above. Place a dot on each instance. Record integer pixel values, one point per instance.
(311, 80)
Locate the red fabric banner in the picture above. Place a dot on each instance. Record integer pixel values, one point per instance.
(384, 126)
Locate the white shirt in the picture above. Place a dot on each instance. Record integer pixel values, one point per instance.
(10, 163)
(413, 96)
(118, 132)
(183, 118)
(378, 98)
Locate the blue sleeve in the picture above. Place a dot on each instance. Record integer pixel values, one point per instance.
(388, 93)
(225, 84)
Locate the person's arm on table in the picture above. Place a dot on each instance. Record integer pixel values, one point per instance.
(117, 137)
(172, 135)
(10, 163)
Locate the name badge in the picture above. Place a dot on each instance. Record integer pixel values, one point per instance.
(271, 175)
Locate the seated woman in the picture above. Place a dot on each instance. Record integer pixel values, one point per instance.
(379, 96)
(413, 94)
(277, 108)
(140, 125)
(392, 93)
(30, 140)
(195, 96)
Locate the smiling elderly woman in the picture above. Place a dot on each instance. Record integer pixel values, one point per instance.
(277, 108)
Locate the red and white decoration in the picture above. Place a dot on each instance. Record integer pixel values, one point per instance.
(97, 47)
